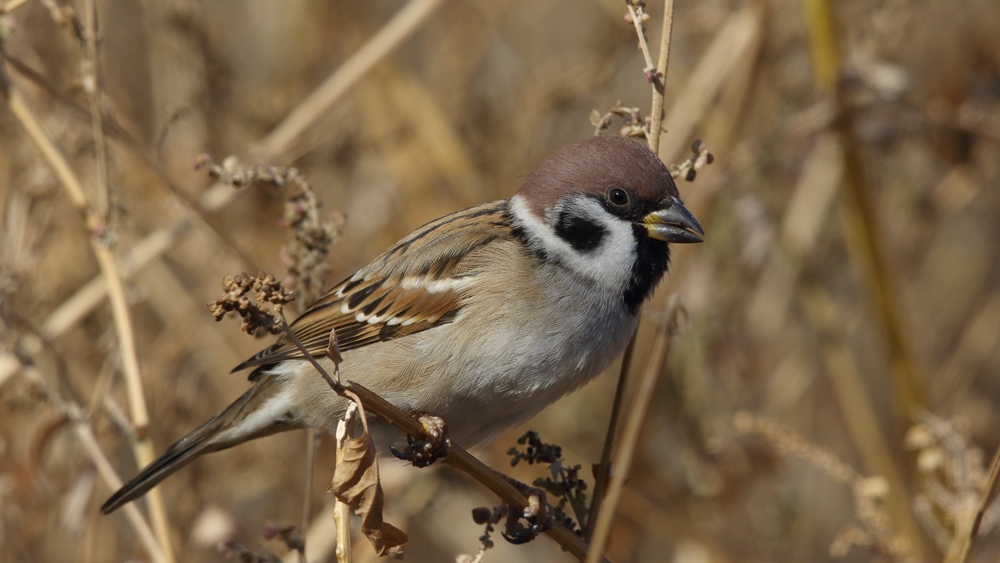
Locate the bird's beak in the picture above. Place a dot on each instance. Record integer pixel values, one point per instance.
(673, 223)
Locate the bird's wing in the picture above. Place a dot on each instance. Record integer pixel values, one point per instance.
(416, 285)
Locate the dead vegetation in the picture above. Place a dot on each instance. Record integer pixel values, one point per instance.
(833, 392)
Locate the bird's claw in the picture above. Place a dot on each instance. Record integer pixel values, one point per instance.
(422, 452)
(538, 515)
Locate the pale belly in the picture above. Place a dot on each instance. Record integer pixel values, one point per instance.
(480, 382)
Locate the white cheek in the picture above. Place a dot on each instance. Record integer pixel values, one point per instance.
(609, 265)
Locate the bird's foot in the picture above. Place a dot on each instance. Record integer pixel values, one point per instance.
(537, 515)
(422, 452)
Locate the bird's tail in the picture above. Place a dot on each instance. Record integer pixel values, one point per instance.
(231, 427)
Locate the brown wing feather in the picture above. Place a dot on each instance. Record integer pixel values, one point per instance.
(416, 285)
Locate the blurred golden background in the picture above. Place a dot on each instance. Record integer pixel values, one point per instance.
(834, 391)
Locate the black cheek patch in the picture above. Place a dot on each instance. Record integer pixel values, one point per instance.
(647, 271)
(583, 235)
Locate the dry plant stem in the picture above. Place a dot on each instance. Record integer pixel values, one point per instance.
(514, 498)
(660, 82)
(822, 43)
(102, 207)
(869, 254)
(637, 22)
(105, 378)
(866, 250)
(85, 434)
(127, 141)
(988, 494)
(142, 447)
(12, 5)
(457, 456)
(859, 413)
(277, 142)
(90, 296)
(321, 536)
(313, 108)
(656, 116)
(307, 489)
(709, 78)
(604, 467)
(342, 511)
(633, 425)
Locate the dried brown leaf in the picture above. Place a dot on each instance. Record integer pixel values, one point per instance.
(356, 484)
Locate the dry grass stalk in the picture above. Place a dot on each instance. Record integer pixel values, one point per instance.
(859, 413)
(77, 416)
(716, 66)
(987, 501)
(660, 79)
(866, 250)
(142, 446)
(860, 218)
(655, 75)
(869, 494)
(92, 83)
(342, 512)
(955, 502)
(279, 142)
(508, 88)
(307, 507)
(629, 440)
(12, 5)
(305, 116)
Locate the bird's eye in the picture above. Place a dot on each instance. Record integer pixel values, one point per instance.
(617, 196)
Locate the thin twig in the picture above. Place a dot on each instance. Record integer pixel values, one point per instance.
(12, 5)
(860, 416)
(102, 206)
(660, 80)
(984, 501)
(141, 447)
(77, 416)
(125, 139)
(643, 45)
(604, 467)
(633, 425)
(307, 489)
(90, 296)
(865, 248)
(314, 108)
(342, 511)
(269, 148)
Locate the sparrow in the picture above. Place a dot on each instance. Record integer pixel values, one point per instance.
(483, 317)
